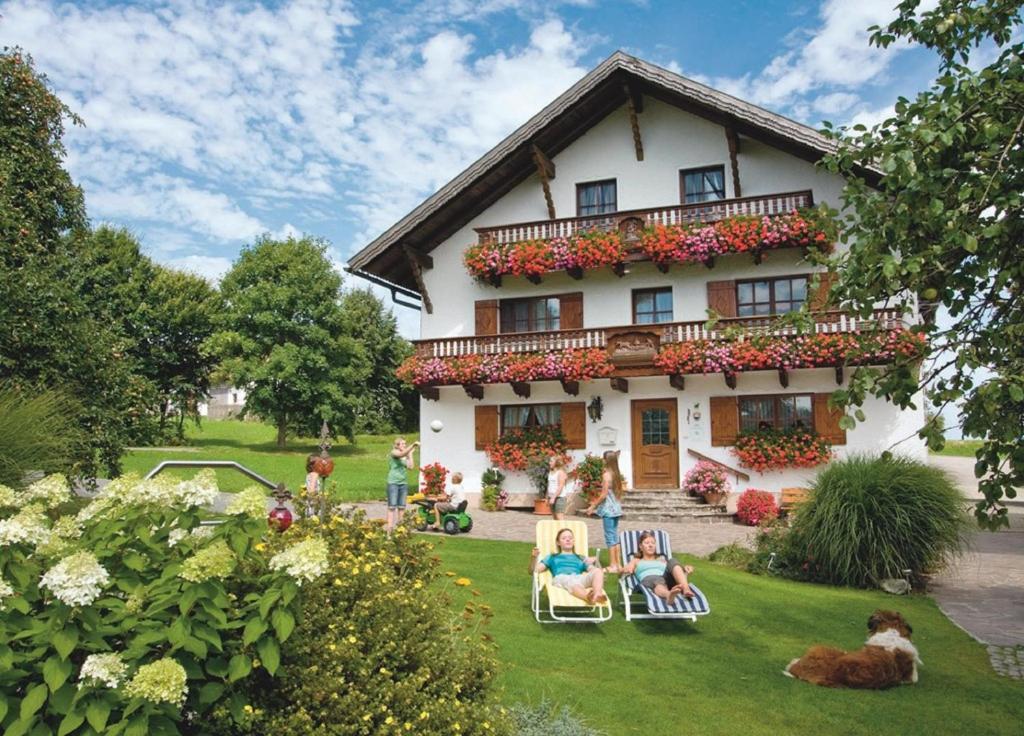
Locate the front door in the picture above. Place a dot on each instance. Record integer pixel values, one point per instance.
(655, 444)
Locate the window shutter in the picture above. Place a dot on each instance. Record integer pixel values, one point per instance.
(571, 311)
(819, 299)
(725, 421)
(486, 425)
(722, 297)
(574, 424)
(826, 421)
(487, 317)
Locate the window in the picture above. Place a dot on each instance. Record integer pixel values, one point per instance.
(702, 185)
(596, 198)
(530, 415)
(770, 296)
(776, 412)
(539, 314)
(652, 306)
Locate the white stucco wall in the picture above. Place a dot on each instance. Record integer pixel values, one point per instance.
(673, 140)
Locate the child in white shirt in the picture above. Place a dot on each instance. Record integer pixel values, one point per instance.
(449, 502)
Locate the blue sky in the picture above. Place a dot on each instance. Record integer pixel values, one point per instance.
(209, 123)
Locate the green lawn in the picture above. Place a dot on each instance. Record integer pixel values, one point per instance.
(723, 675)
(960, 448)
(359, 469)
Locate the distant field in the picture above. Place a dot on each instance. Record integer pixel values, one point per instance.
(960, 448)
(359, 469)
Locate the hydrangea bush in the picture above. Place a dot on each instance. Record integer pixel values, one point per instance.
(129, 616)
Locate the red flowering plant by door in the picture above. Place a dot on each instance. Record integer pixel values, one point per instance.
(433, 479)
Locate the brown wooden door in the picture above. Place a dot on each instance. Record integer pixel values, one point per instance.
(655, 444)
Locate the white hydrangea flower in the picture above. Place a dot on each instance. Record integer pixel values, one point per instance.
(214, 561)
(29, 526)
(200, 491)
(306, 560)
(76, 580)
(163, 681)
(6, 591)
(176, 536)
(8, 498)
(105, 669)
(51, 491)
(201, 532)
(252, 501)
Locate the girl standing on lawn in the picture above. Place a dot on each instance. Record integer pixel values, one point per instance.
(399, 461)
(655, 572)
(581, 576)
(558, 494)
(607, 506)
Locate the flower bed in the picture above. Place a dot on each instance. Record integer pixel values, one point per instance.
(579, 364)
(770, 449)
(433, 478)
(780, 351)
(517, 449)
(664, 244)
(755, 506)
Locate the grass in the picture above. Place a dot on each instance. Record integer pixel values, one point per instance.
(359, 474)
(723, 675)
(960, 448)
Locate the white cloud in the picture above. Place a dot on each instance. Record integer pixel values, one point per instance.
(209, 267)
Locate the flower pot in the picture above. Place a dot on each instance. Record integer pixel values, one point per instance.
(715, 499)
(541, 507)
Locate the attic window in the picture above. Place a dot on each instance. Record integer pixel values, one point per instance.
(596, 198)
(702, 185)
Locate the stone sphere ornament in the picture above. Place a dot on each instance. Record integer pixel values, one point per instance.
(437, 425)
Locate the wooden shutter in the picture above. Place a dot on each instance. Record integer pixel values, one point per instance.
(487, 425)
(826, 421)
(571, 309)
(725, 421)
(722, 297)
(574, 424)
(819, 299)
(487, 317)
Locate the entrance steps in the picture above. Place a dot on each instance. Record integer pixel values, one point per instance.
(670, 504)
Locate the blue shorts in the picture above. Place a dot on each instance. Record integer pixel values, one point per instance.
(396, 495)
(611, 530)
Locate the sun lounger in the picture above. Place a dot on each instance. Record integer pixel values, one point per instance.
(640, 602)
(553, 605)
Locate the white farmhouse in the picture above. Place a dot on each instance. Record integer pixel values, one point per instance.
(627, 161)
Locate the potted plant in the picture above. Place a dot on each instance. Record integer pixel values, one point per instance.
(708, 481)
(537, 471)
(493, 497)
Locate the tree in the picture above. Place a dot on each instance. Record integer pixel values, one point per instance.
(387, 404)
(943, 227)
(283, 338)
(49, 338)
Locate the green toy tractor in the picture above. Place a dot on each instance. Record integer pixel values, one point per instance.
(452, 522)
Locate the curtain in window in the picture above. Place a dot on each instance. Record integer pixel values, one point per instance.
(514, 416)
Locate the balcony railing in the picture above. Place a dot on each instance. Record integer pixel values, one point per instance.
(675, 214)
(670, 332)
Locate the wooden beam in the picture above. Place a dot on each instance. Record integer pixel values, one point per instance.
(571, 387)
(426, 262)
(533, 278)
(474, 391)
(620, 384)
(430, 393)
(733, 140)
(413, 257)
(730, 380)
(839, 375)
(677, 382)
(546, 172)
(619, 269)
(575, 272)
(783, 378)
(634, 120)
(521, 389)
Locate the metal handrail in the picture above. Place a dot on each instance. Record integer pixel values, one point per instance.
(210, 464)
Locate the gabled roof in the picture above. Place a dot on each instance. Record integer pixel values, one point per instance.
(554, 128)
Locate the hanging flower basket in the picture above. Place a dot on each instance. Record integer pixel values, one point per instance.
(770, 449)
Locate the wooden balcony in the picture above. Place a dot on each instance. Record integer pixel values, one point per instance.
(670, 332)
(674, 214)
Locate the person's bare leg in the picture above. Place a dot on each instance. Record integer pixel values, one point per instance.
(597, 593)
(389, 520)
(682, 583)
(437, 517)
(614, 558)
(580, 592)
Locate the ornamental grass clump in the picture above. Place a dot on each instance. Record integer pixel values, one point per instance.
(871, 518)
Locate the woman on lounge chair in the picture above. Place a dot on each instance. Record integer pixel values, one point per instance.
(579, 575)
(655, 572)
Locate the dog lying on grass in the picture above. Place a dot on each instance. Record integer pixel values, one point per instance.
(886, 659)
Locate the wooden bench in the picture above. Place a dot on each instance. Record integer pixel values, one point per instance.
(791, 498)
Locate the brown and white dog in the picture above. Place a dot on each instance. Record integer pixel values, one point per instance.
(886, 659)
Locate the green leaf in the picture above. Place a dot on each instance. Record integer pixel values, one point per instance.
(178, 632)
(971, 244)
(267, 600)
(188, 599)
(3, 708)
(1016, 392)
(33, 700)
(210, 693)
(71, 721)
(97, 714)
(55, 672)
(284, 624)
(239, 667)
(64, 641)
(270, 654)
(217, 666)
(847, 422)
(134, 561)
(195, 646)
(18, 727)
(139, 726)
(253, 631)
(288, 591)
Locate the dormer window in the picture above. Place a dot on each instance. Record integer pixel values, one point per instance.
(702, 185)
(596, 198)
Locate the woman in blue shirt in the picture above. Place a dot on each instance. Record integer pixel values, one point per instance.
(579, 575)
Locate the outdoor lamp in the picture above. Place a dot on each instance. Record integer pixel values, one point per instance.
(595, 409)
(280, 518)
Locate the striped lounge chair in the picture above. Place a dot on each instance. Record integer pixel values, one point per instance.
(553, 605)
(640, 602)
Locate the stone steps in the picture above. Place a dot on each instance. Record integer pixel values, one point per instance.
(668, 505)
